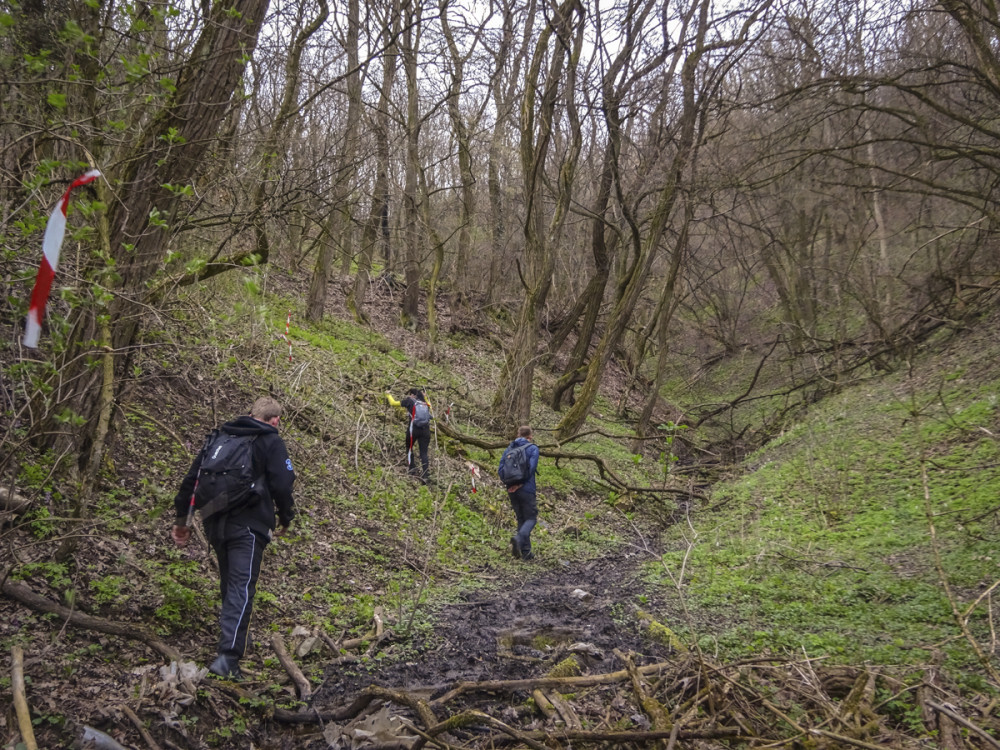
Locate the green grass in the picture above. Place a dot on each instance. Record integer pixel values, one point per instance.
(825, 547)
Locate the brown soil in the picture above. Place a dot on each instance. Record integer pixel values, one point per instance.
(517, 632)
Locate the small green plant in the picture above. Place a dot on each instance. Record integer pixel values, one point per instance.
(108, 590)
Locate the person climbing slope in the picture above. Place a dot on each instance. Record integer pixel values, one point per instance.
(418, 429)
(242, 520)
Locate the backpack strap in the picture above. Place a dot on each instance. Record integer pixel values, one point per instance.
(201, 457)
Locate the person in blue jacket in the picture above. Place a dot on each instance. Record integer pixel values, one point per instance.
(522, 495)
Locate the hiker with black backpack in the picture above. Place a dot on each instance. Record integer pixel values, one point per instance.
(241, 474)
(518, 465)
(418, 429)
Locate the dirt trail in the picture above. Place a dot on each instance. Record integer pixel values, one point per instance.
(519, 631)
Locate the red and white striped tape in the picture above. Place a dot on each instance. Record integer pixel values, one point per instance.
(55, 230)
(474, 470)
(288, 326)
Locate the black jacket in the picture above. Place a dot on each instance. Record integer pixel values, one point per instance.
(270, 461)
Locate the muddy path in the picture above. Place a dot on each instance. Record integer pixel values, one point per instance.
(546, 617)
(519, 631)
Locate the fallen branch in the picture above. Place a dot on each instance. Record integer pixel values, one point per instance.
(312, 716)
(20, 701)
(142, 729)
(602, 467)
(653, 709)
(642, 739)
(499, 686)
(474, 717)
(21, 593)
(565, 709)
(965, 723)
(544, 704)
(301, 683)
(848, 740)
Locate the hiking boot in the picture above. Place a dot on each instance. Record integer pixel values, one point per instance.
(529, 555)
(227, 667)
(515, 548)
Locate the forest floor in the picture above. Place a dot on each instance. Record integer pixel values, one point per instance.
(393, 615)
(525, 631)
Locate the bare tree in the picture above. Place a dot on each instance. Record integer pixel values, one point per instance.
(703, 64)
(560, 42)
(618, 80)
(340, 218)
(145, 208)
(376, 226)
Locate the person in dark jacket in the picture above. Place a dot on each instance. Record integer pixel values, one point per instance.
(522, 496)
(240, 536)
(418, 430)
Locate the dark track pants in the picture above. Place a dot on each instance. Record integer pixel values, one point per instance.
(526, 512)
(240, 552)
(421, 441)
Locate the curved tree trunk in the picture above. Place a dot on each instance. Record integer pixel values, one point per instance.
(615, 85)
(589, 304)
(644, 248)
(665, 308)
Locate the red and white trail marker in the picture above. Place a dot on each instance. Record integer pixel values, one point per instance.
(55, 230)
(474, 470)
(288, 325)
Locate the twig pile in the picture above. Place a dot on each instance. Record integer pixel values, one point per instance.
(686, 703)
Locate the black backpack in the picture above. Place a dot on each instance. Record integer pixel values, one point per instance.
(421, 414)
(226, 480)
(514, 464)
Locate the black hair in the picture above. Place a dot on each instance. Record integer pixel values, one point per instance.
(416, 392)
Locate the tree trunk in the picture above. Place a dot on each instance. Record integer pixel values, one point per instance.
(412, 244)
(512, 403)
(644, 248)
(502, 94)
(467, 206)
(170, 151)
(665, 307)
(338, 221)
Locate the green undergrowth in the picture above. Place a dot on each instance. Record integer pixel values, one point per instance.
(852, 535)
(368, 538)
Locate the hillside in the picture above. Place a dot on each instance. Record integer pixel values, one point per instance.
(809, 589)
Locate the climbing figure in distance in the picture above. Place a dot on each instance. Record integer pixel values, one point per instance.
(518, 465)
(241, 473)
(418, 430)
